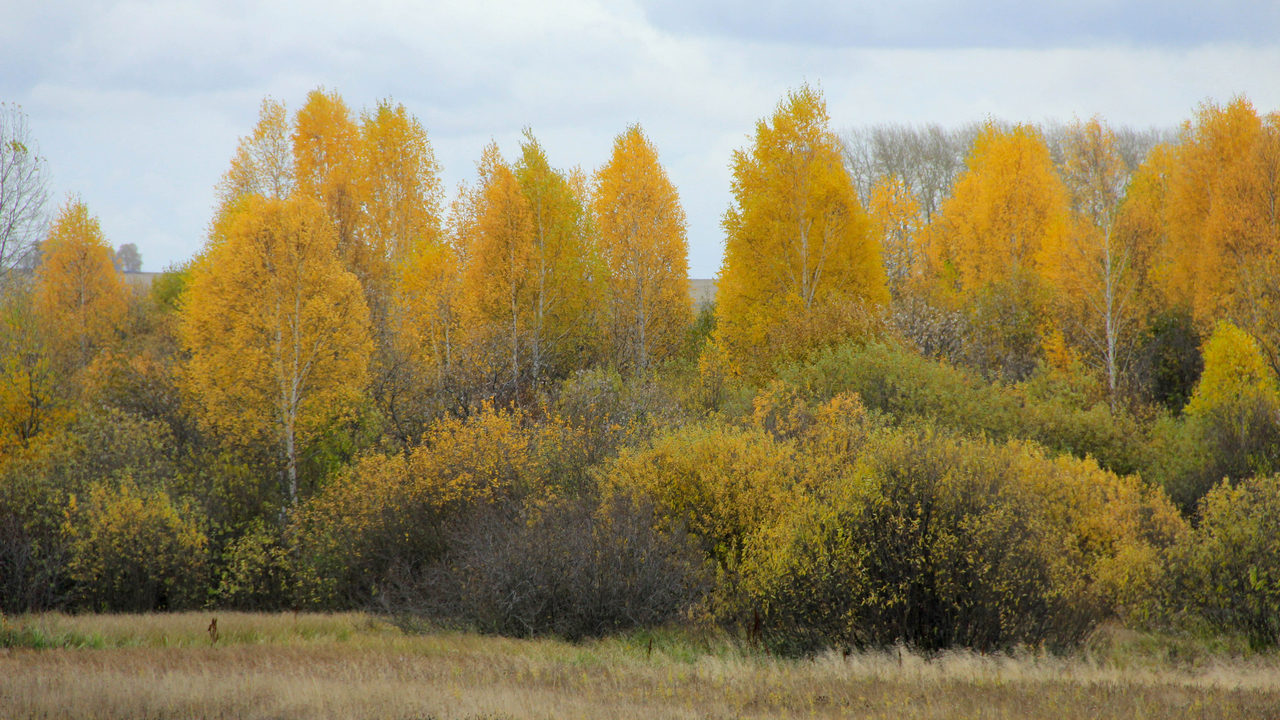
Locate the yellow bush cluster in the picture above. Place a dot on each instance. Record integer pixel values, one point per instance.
(836, 527)
(132, 548)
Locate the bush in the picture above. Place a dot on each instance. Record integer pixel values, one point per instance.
(31, 573)
(903, 385)
(575, 569)
(1226, 573)
(132, 550)
(936, 541)
(1168, 362)
(718, 482)
(388, 514)
(1230, 429)
(256, 572)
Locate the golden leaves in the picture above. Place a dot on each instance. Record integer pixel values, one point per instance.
(276, 327)
(641, 235)
(797, 243)
(79, 295)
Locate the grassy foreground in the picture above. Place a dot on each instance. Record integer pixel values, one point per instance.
(357, 666)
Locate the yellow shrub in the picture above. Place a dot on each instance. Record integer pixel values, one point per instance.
(132, 549)
(390, 514)
(720, 483)
(936, 540)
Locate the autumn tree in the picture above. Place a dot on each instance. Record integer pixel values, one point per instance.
(325, 158)
(263, 163)
(79, 294)
(1244, 224)
(276, 328)
(1192, 267)
(398, 183)
(895, 222)
(563, 283)
(1215, 223)
(426, 314)
(427, 311)
(799, 255)
(23, 188)
(641, 230)
(1100, 270)
(34, 392)
(1004, 224)
(1007, 212)
(501, 270)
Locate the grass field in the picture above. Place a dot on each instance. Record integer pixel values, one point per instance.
(358, 666)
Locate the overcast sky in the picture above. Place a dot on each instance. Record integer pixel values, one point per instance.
(138, 105)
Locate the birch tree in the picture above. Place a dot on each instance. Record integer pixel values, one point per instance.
(276, 327)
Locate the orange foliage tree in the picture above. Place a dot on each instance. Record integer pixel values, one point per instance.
(999, 233)
(1007, 214)
(798, 250)
(79, 295)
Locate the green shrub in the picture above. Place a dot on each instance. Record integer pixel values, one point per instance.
(1227, 571)
(256, 572)
(903, 385)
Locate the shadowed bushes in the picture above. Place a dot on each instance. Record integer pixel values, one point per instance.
(574, 569)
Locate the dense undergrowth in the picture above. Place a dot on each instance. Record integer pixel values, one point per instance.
(866, 498)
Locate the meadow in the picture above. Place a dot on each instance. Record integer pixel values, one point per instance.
(353, 665)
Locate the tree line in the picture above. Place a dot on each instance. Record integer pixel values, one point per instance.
(976, 387)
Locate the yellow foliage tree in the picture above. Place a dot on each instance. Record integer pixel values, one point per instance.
(1236, 378)
(33, 384)
(399, 185)
(425, 315)
(400, 182)
(798, 248)
(80, 297)
(326, 162)
(277, 329)
(499, 282)
(640, 227)
(895, 222)
(263, 163)
(561, 260)
(1007, 213)
(995, 242)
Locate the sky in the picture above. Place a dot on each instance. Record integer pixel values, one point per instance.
(138, 106)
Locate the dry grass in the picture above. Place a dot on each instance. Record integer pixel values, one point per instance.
(355, 666)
